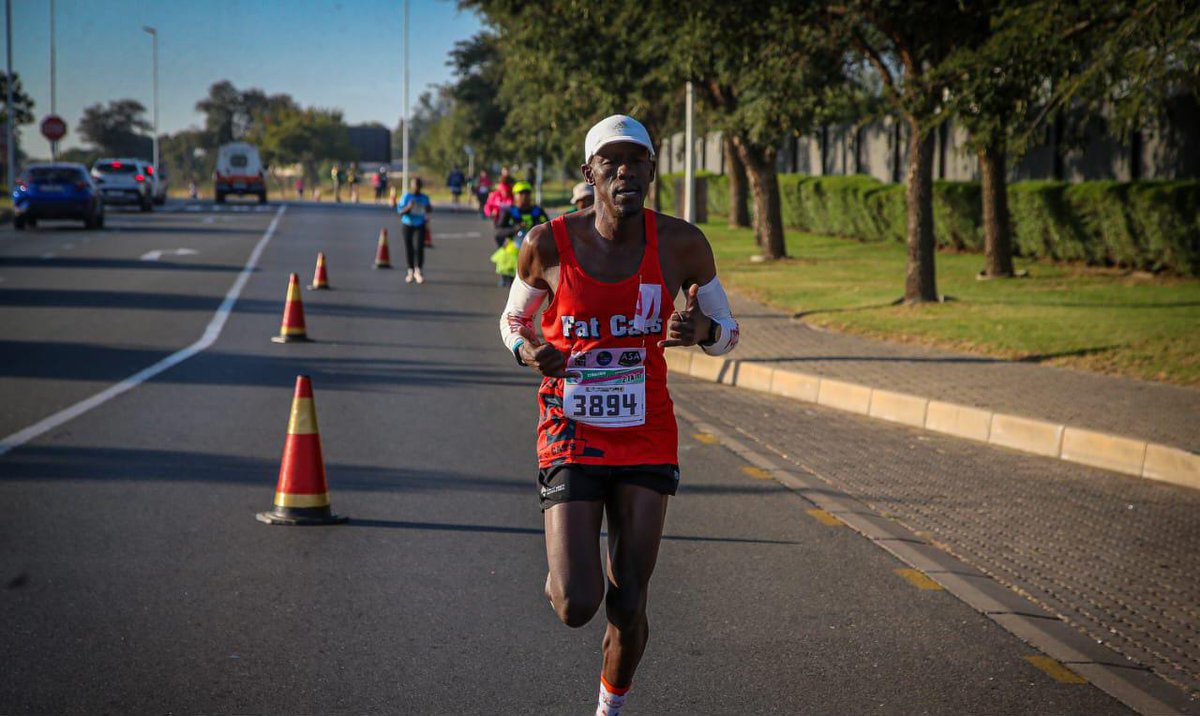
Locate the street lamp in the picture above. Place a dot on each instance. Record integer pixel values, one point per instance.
(404, 124)
(10, 149)
(154, 39)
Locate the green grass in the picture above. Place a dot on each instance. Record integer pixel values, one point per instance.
(1130, 324)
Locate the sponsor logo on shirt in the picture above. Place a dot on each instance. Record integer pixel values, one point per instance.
(603, 358)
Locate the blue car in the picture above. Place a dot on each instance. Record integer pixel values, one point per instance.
(56, 191)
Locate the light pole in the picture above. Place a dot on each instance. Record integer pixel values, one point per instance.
(404, 123)
(154, 41)
(10, 150)
(53, 86)
(689, 171)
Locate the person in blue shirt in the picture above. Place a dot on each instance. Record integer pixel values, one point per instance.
(414, 209)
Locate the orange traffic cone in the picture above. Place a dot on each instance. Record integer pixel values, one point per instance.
(292, 329)
(320, 280)
(382, 258)
(302, 495)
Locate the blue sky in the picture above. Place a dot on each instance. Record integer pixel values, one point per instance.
(346, 54)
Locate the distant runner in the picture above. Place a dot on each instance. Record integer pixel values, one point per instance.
(514, 222)
(414, 209)
(607, 439)
(455, 181)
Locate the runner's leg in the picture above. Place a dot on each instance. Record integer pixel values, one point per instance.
(419, 239)
(410, 235)
(575, 585)
(635, 523)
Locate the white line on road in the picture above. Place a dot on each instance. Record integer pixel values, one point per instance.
(48, 255)
(211, 333)
(467, 235)
(158, 253)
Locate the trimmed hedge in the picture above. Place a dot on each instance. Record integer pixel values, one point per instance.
(1152, 225)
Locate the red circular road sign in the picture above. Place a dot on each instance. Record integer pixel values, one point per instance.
(53, 127)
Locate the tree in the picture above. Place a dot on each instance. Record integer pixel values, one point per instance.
(907, 44)
(22, 103)
(117, 129)
(231, 114)
(305, 137)
(763, 66)
(565, 65)
(1122, 59)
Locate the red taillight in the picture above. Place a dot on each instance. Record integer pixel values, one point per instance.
(116, 165)
(150, 170)
(140, 177)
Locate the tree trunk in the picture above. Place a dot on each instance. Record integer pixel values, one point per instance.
(768, 214)
(739, 208)
(920, 279)
(997, 230)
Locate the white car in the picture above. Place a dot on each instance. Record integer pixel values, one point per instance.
(159, 174)
(125, 181)
(239, 171)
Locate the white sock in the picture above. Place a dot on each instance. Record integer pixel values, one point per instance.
(611, 700)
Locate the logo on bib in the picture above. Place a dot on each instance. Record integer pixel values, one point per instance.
(603, 358)
(629, 358)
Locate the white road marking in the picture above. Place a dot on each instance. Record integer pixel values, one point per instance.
(48, 255)
(68, 247)
(159, 253)
(211, 333)
(468, 235)
(208, 220)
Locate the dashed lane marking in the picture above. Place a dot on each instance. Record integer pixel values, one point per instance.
(211, 332)
(756, 472)
(825, 518)
(706, 438)
(918, 579)
(1055, 670)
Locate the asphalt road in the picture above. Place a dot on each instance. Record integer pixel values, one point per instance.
(137, 580)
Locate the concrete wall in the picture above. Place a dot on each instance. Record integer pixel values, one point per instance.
(1068, 150)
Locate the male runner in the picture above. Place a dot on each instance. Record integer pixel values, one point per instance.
(607, 439)
(522, 215)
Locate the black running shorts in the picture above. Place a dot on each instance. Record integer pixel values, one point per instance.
(570, 482)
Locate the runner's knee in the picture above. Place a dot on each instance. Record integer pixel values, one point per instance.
(575, 607)
(625, 606)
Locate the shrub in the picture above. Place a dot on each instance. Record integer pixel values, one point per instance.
(1152, 225)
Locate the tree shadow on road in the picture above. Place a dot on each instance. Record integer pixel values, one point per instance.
(51, 360)
(500, 529)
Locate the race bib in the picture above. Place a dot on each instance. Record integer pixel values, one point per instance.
(603, 396)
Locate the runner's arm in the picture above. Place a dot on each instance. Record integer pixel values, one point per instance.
(723, 331)
(538, 254)
(706, 319)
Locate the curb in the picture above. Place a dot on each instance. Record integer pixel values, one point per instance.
(1128, 456)
(1126, 681)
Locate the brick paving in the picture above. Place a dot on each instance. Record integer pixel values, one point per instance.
(1121, 406)
(1116, 556)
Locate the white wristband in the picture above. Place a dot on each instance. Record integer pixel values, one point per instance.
(715, 304)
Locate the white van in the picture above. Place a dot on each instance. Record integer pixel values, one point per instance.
(239, 171)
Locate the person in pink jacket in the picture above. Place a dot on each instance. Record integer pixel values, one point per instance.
(499, 200)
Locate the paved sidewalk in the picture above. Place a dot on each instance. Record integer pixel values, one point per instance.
(1153, 412)
(1116, 558)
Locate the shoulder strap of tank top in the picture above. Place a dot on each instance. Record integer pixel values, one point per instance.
(566, 252)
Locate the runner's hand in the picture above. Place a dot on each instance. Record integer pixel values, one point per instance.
(542, 357)
(689, 326)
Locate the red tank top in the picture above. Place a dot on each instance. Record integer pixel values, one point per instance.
(617, 410)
